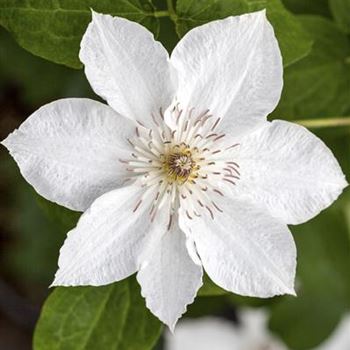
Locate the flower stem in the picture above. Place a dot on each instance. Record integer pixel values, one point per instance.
(324, 122)
(171, 10)
(161, 13)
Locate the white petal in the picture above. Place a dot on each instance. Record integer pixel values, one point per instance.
(244, 250)
(109, 239)
(126, 66)
(289, 171)
(68, 151)
(233, 67)
(170, 279)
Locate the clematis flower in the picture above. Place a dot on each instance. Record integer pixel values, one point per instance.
(181, 171)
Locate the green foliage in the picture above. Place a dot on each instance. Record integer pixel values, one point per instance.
(109, 317)
(323, 283)
(318, 85)
(53, 29)
(341, 12)
(316, 7)
(294, 42)
(33, 257)
(21, 69)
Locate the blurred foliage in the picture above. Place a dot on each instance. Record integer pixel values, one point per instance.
(323, 282)
(316, 7)
(318, 85)
(341, 13)
(314, 38)
(40, 81)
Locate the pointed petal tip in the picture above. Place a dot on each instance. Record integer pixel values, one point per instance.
(54, 284)
(57, 281)
(345, 183)
(6, 141)
(252, 16)
(263, 11)
(261, 14)
(60, 281)
(95, 15)
(172, 327)
(291, 292)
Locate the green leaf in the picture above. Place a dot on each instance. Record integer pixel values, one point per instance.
(318, 85)
(97, 318)
(322, 283)
(294, 42)
(53, 29)
(341, 13)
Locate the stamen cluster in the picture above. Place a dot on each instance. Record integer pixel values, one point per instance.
(182, 166)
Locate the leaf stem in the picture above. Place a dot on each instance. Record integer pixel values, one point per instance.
(161, 14)
(171, 10)
(324, 122)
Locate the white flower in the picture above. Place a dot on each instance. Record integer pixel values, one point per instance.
(210, 333)
(208, 183)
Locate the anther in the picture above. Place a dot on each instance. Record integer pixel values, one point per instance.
(214, 204)
(215, 124)
(137, 205)
(235, 145)
(227, 180)
(188, 215)
(219, 192)
(170, 222)
(219, 137)
(210, 211)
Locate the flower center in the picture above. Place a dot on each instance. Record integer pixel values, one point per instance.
(179, 165)
(185, 166)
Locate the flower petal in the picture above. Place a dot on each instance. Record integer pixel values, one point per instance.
(232, 67)
(126, 66)
(68, 151)
(244, 250)
(109, 239)
(289, 171)
(170, 279)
